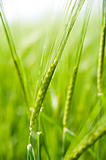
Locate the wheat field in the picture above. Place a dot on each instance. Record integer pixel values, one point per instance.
(53, 85)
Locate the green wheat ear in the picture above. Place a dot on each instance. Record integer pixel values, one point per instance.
(69, 97)
(97, 132)
(41, 94)
(100, 60)
(75, 70)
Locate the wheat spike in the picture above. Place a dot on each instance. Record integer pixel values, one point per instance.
(75, 70)
(41, 94)
(100, 60)
(69, 97)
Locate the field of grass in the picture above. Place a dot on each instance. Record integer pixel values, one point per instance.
(55, 107)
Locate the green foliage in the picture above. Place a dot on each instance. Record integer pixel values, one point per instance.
(45, 85)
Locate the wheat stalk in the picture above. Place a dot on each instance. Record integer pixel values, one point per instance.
(30, 152)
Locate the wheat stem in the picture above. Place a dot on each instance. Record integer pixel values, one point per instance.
(30, 152)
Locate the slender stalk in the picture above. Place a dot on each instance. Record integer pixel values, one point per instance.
(39, 148)
(39, 139)
(44, 139)
(30, 152)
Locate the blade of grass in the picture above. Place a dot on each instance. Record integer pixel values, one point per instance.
(15, 57)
